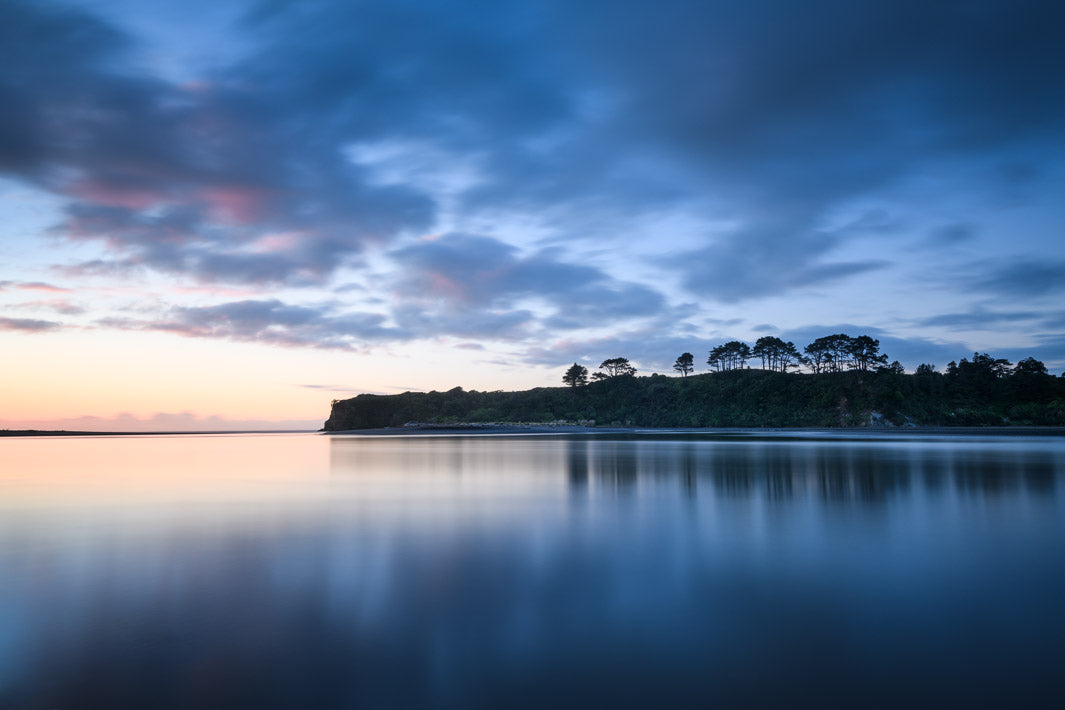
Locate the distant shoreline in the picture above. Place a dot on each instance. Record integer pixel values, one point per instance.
(519, 430)
(499, 429)
(64, 432)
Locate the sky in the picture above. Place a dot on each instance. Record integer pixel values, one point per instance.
(226, 214)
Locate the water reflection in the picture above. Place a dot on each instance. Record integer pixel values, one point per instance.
(577, 464)
(842, 474)
(616, 465)
(530, 572)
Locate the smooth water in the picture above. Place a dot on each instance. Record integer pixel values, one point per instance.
(306, 571)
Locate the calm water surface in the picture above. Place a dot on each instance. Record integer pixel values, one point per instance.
(305, 571)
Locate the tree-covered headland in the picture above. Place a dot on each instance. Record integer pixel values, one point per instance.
(835, 381)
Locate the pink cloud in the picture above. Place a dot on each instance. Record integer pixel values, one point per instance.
(33, 286)
(279, 242)
(99, 193)
(59, 305)
(214, 290)
(161, 422)
(439, 284)
(235, 203)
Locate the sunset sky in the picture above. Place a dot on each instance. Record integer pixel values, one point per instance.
(226, 214)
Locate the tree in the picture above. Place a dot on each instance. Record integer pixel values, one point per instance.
(979, 378)
(840, 347)
(789, 356)
(1030, 380)
(615, 367)
(864, 353)
(839, 352)
(764, 348)
(895, 368)
(684, 364)
(819, 355)
(984, 364)
(776, 355)
(1030, 366)
(576, 376)
(733, 355)
(925, 369)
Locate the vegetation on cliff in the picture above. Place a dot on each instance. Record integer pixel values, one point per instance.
(983, 392)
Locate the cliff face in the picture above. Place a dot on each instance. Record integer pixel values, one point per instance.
(367, 411)
(744, 398)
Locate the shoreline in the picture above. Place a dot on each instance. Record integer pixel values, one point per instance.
(66, 432)
(768, 432)
(575, 430)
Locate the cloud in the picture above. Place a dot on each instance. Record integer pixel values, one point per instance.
(480, 277)
(272, 322)
(161, 422)
(766, 260)
(57, 305)
(562, 111)
(1022, 278)
(32, 286)
(456, 286)
(28, 325)
(184, 179)
(953, 233)
(754, 124)
(465, 322)
(649, 350)
(981, 319)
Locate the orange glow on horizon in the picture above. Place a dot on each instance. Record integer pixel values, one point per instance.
(127, 379)
(84, 470)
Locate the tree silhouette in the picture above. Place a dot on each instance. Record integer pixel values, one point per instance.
(733, 355)
(895, 368)
(1030, 381)
(818, 355)
(576, 376)
(615, 367)
(983, 367)
(684, 364)
(789, 356)
(865, 353)
(776, 355)
(839, 352)
(1030, 366)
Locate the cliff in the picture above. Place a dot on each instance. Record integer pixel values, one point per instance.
(741, 398)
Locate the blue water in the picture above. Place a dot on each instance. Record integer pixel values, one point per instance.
(306, 571)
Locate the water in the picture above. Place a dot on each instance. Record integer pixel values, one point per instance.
(304, 571)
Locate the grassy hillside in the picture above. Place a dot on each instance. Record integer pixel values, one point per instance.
(740, 398)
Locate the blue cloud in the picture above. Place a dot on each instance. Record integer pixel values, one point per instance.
(953, 233)
(1023, 278)
(982, 319)
(272, 322)
(766, 260)
(184, 179)
(758, 123)
(475, 275)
